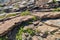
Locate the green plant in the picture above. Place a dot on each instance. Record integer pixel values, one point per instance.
(30, 31)
(4, 38)
(9, 15)
(21, 31)
(54, 1)
(1, 17)
(25, 13)
(52, 33)
(0, 5)
(56, 9)
(19, 34)
(16, 6)
(34, 18)
(46, 32)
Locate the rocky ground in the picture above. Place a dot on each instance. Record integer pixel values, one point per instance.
(43, 26)
(39, 22)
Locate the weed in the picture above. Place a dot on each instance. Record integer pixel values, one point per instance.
(4, 38)
(25, 13)
(30, 31)
(1, 17)
(9, 15)
(34, 18)
(56, 9)
(19, 34)
(21, 31)
(46, 32)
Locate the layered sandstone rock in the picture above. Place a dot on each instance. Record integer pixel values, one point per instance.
(9, 24)
(47, 14)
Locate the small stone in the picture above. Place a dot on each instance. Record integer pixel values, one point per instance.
(23, 37)
(29, 38)
(40, 38)
(26, 34)
(58, 32)
(36, 23)
(28, 27)
(40, 24)
(57, 38)
(35, 38)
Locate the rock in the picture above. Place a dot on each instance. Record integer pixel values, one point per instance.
(40, 38)
(57, 38)
(50, 37)
(41, 2)
(25, 3)
(29, 38)
(36, 38)
(55, 23)
(28, 27)
(36, 23)
(40, 24)
(53, 37)
(45, 28)
(58, 32)
(27, 34)
(24, 37)
(10, 24)
(45, 35)
(43, 15)
(7, 9)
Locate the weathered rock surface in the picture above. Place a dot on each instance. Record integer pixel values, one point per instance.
(46, 28)
(36, 38)
(55, 22)
(36, 23)
(47, 14)
(53, 37)
(9, 24)
(28, 27)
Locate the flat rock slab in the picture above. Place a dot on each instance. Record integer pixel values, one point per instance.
(9, 24)
(55, 23)
(44, 28)
(47, 14)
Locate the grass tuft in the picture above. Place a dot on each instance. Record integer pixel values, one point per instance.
(25, 13)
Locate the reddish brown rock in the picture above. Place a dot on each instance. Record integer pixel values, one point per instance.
(9, 24)
(55, 23)
(28, 27)
(45, 28)
(35, 38)
(36, 23)
(47, 14)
